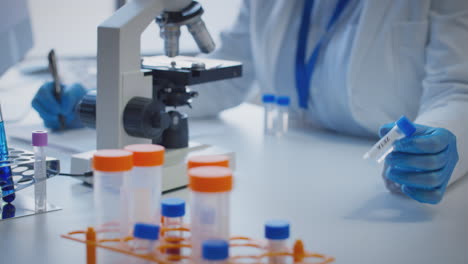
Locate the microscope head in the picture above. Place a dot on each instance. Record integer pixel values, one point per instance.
(171, 21)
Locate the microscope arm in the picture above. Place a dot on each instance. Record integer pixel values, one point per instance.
(119, 75)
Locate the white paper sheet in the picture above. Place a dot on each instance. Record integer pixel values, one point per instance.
(73, 141)
(84, 139)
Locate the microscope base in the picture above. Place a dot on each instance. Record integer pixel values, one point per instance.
(23, 205)
(174, 169)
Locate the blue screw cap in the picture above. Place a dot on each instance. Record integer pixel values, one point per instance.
(406, 126)
(283, 100)
(277, 229)
(173, 207)
(215, 250)
(146, 231)
(268, 98)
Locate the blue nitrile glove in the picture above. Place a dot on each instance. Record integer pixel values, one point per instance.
(423, 163)
(49, 109)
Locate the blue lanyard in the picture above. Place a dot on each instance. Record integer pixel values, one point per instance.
(305, 69)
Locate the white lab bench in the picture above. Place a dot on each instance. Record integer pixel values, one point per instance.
(336, 202)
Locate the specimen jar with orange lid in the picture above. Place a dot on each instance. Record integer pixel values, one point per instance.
(110, 167)
(210, 188)
(208, 160)
(143, 185)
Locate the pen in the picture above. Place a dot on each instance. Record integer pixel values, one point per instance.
(57, 87)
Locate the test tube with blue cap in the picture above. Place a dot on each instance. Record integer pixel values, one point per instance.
(282, 124)
(39, 141)
(277, 234)
(145, 240)
(403, 128)
(215, 251)
(269, 113)
(173, 212)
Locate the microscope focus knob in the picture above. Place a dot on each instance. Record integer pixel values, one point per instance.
(176, 136)
(144, 119)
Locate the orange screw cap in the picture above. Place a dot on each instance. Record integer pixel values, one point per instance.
(210, 179)
(147, 155)
(112, 160)
(208, 160)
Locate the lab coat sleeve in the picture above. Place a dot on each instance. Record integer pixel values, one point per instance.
(444, 102)
(235, 45)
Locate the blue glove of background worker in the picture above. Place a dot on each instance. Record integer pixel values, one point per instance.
(49, 108)
(423, 163)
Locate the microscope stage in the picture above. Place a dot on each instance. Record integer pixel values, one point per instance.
(184, 70)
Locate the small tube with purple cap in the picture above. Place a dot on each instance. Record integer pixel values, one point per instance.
(39, 141)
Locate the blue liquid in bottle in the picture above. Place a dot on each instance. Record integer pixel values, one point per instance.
(6, 180)
(8, 211)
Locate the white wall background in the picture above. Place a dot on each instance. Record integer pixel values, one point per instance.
(70, 26)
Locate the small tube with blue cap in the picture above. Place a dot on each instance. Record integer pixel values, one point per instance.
(146, 237)
(269, 113)
(277, 234)
(403, 128)
(39, 141)
(173, 212)
(215, 251)
(282, 122)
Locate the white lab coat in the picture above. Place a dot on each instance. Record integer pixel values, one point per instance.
(409, 57)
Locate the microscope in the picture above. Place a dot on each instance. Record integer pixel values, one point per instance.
(137, 98)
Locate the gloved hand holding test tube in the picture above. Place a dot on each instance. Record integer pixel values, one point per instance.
(419, 160)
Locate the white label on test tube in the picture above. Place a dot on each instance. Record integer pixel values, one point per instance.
(144, 184)
(385, 145)
(403, 128)
(210, 192)
(39, 141)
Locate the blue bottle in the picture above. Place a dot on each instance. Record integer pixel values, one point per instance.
(6, 180)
